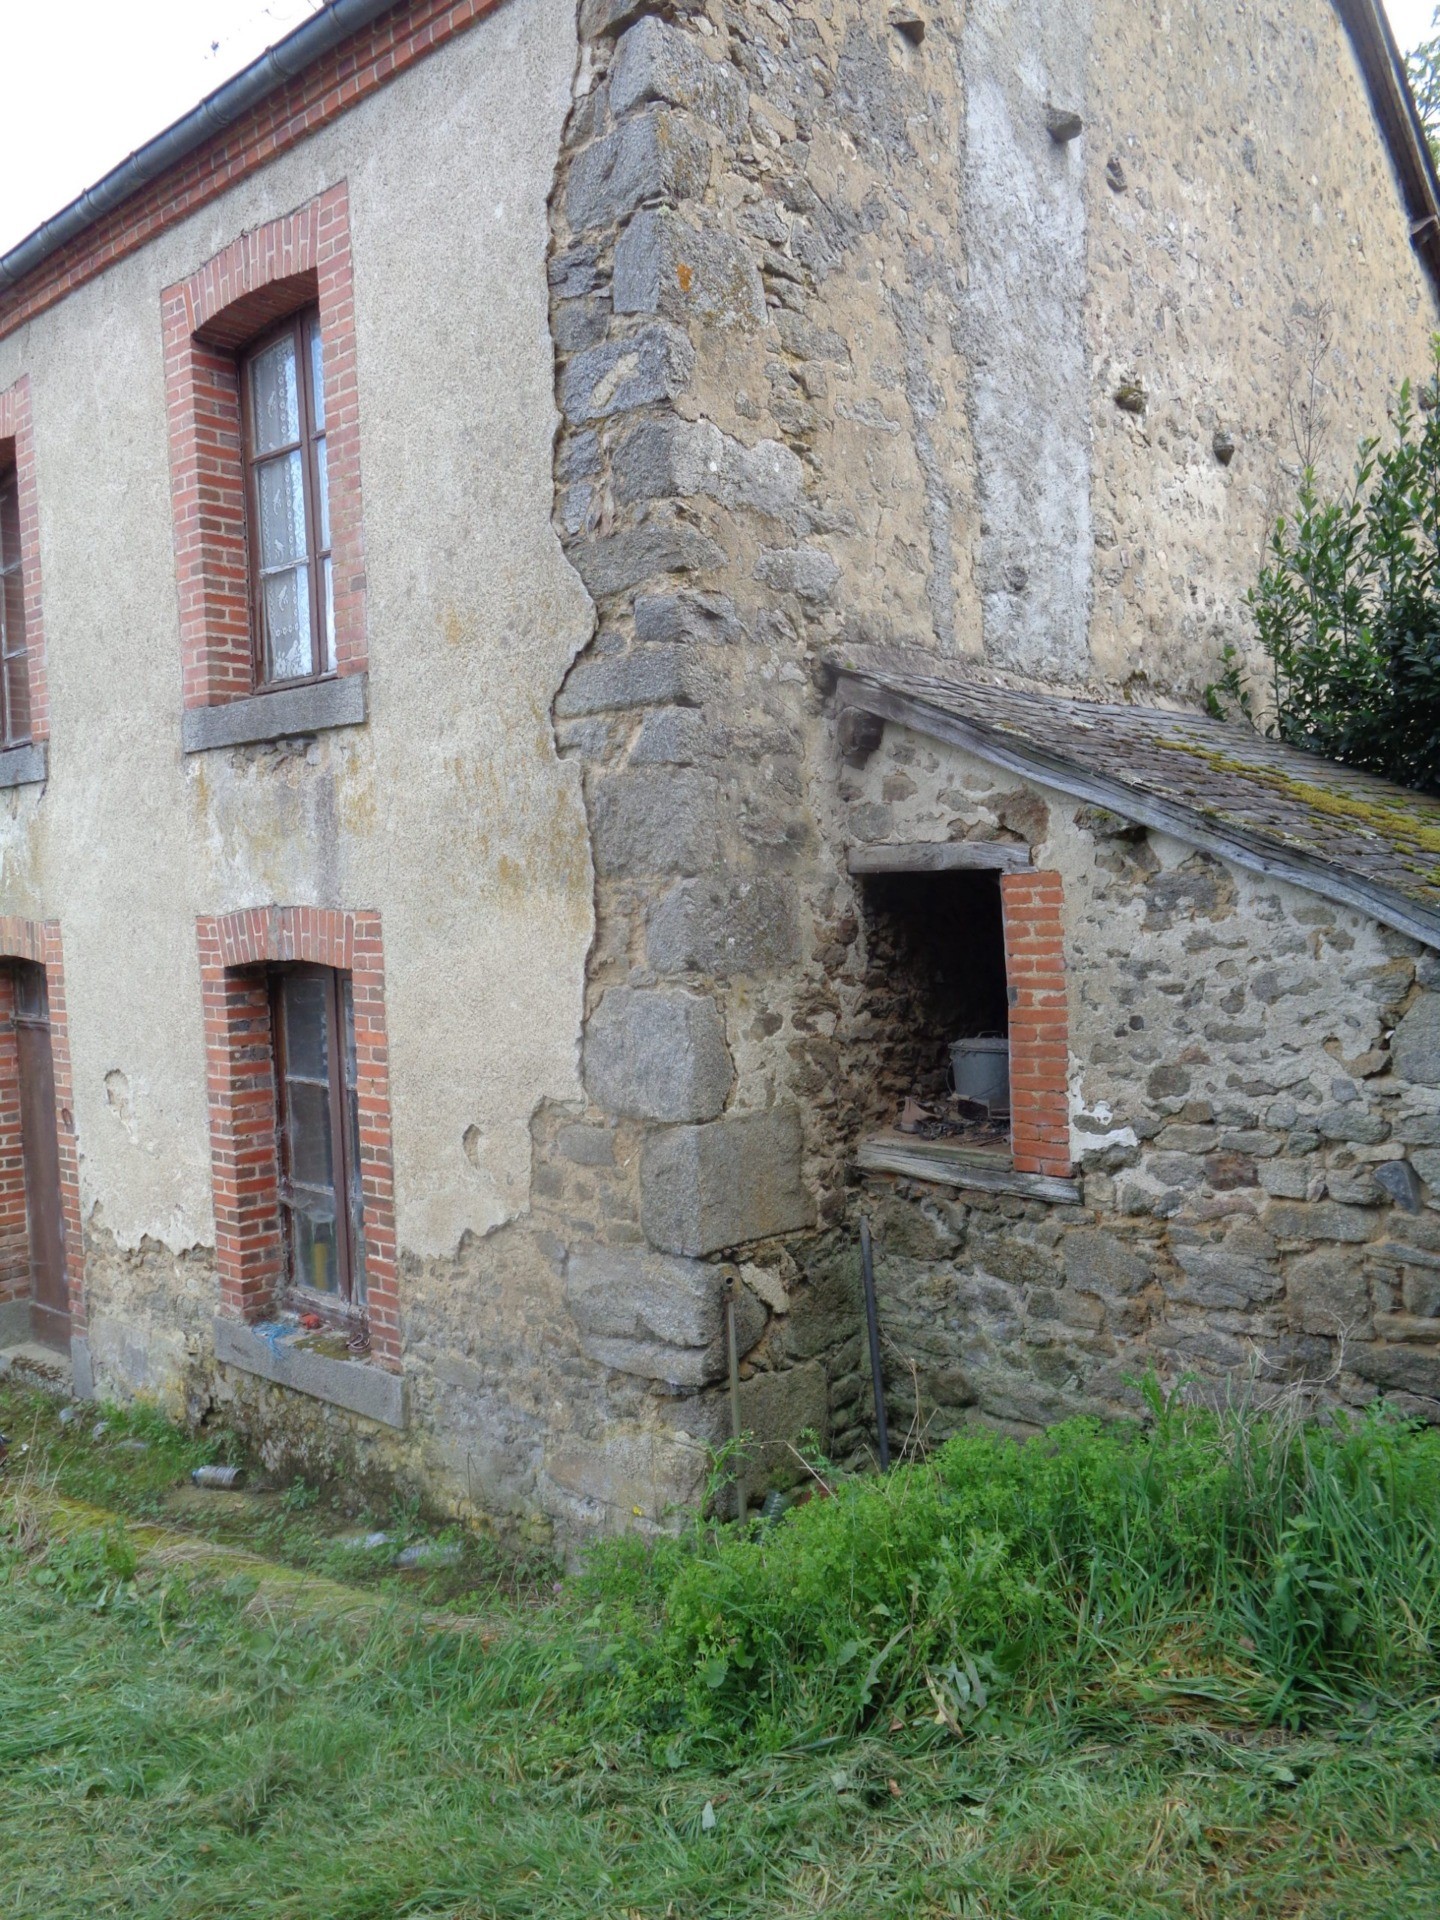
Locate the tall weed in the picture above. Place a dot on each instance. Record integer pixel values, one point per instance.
(1258, 1558)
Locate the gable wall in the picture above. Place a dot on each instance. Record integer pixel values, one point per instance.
(1259, 236)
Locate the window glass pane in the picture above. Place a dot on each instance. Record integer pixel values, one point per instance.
(17, 697)
(9, 520)
(317, 377)
(328, 637)
(357, 1206)
(322, 511)
(308, 1134)
(287, 624)
(12, 610)
(274, 400)
(280, 487)
(312, 1244)
(305, 1002)
(31, 1002)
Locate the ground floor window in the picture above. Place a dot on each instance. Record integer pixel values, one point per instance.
(33, 1172)
(938, 986)
(322, 1213)
(298, 1073)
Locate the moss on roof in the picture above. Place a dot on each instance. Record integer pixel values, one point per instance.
(1341, 833)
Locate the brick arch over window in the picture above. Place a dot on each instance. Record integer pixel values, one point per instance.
(300, 260)
(37, 941)
(17, 445)
(235, 951)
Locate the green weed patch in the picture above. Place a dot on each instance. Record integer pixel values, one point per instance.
(1276, 1569)
(1184, 1672)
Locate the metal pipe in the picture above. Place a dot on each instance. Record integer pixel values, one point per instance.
(872, 1322)
(316, 36)
(742, 1492)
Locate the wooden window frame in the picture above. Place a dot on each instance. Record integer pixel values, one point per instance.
(17, 453)
(301, 328)
(238, 951)
(12, 564)
(261, 280)
(343, 1304)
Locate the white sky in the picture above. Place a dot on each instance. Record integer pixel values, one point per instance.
(88, 81)
(1410, 19)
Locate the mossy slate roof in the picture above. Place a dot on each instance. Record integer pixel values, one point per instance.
(1344, 835)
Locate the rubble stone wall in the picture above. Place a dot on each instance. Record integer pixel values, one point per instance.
(1255, 1098)
(837, 312)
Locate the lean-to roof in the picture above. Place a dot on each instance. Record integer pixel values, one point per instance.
(1344, 835)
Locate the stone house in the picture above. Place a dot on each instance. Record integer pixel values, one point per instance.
(598, 607)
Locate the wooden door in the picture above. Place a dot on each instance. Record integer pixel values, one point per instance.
(50, 1300)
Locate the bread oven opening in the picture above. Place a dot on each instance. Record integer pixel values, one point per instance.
(940, 1006)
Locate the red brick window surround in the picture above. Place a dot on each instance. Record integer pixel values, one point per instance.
(301, 260)
(1039, 1022)
(17, 450)
(236, 952)
(39, 942)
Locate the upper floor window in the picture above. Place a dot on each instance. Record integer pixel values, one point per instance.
(292, 582)
(14, 652)
(264, 414)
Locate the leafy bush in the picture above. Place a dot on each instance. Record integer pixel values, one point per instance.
(1422, 68)
(1260, 1561)
(1348, 612)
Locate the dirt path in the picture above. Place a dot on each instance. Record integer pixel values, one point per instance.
(280, 1591)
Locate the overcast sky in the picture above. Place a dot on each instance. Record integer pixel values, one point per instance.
(88, 81)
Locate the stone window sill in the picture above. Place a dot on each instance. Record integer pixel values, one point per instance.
(282, 1354)
(951, 1165)
(281, 715)
(24, 766)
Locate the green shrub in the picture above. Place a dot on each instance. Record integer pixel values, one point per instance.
(1348, 613)
(1257, 1559)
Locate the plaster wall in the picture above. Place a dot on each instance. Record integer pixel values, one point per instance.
(449, 811)
(1250, 271)
(1021, 63)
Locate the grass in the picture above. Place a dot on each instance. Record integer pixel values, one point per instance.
(133, 1462)
(164, 1752)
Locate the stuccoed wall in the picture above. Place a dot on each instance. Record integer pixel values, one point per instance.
(450, 811)
(1255, 1094)
(1241, 209)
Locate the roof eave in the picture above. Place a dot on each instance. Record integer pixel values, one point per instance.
(312, 39)
(856, 688)
(1383, 68)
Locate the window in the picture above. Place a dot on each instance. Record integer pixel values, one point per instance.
(967, 1015)
(292, 583)
(264, 414)
(320, 1197)
(14, 653)
(937, 950)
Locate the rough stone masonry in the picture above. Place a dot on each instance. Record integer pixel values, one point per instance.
(852, 347)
